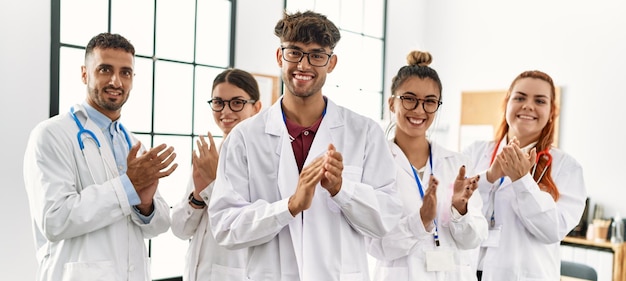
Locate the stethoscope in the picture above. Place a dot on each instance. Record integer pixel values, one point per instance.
(491, 212)
(421, 189)
(82, 130)
(90, 134)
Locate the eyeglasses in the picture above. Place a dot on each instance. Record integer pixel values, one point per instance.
(315, 58)
(235, 105)
(411, 103)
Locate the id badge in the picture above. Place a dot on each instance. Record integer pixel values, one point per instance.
(493, 238)
(440, 260)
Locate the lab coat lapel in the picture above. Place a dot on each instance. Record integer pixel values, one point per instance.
(287, 172)
(318, 213)
(409, 193)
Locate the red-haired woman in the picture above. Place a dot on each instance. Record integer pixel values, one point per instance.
(533, 193)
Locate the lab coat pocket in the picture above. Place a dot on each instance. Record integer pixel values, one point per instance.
(220, 272)
(392, 273)
(358, 276)
(89, 271)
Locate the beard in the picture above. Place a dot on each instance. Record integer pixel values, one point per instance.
(101, 101)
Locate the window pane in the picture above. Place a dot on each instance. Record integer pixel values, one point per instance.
(329, 8)
(173, 187)
(362, 102)
(172, 97)
(352, 15)
(72, 90)
(372, 49)
(299, 5)
(168, 251)
(213, 44)
(135, 21)
(175, 29)
(78, 25)
(363, 52)
(146, 140)
(374, 12)
(203, 115)
(167, 256)
(348, 53)
(137, 111)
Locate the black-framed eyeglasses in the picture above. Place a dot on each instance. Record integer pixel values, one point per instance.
(429, 105)
(235, 105)
(315, 58)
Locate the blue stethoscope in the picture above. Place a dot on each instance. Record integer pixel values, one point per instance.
(82, 130)
(421, 189)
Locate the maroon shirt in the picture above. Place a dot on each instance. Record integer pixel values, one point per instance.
(301, 139)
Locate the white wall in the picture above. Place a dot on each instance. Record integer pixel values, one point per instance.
(25, 80)
(476, 45)
(484, 44)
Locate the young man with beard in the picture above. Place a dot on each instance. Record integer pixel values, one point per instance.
(303, 182)
(92, 187)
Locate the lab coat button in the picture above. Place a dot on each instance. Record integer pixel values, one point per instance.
(131, 268)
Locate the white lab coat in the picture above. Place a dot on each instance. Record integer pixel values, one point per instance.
(257, 174)
(84, 226)
(532, 224)
(401, 254)
(206, 260)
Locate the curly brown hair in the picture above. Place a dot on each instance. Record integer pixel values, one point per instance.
(307, 27)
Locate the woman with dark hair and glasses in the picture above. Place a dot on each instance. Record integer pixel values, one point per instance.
(533, 194)
(441, 215)
(235, 97)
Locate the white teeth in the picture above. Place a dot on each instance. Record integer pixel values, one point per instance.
(416, 121)
(526, 117)
(303, 77)
(228, 120)
(114, 93)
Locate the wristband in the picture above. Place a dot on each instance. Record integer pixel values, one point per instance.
(196, 202)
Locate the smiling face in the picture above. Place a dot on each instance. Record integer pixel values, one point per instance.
(301, 78)
(414, 123)
(227, 119)
(108, 74)
(528, 109)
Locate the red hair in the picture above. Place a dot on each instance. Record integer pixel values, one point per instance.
(546, 138)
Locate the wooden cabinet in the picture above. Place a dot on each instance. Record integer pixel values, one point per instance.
(595, 254)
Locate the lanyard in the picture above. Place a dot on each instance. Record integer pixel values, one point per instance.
(421, 189)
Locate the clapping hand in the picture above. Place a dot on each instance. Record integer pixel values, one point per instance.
(463, 189)
(145, 171)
